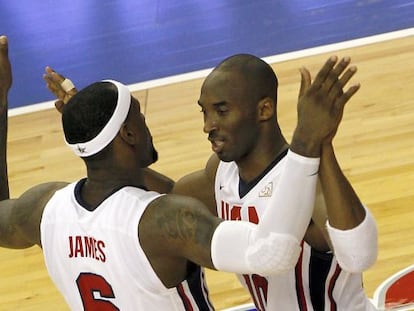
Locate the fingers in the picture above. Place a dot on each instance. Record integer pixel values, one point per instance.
(4, 46)
(53, 81)
(61, 87)
(337, 93)
(5, 67)
(333, 77)
(342, 100)
(59, 105)
(323, 74)
(305, 81)
(347, 75)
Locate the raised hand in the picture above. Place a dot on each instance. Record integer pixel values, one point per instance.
(5, 85)
(321, 104)
(5, 72)
(60, 86)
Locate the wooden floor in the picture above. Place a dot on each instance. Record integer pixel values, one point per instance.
(375, 146)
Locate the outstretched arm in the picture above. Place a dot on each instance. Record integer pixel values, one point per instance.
(200, 184)
(5, 84)
(175, 229)
(336, 188)
(351, 227)
(20, 218)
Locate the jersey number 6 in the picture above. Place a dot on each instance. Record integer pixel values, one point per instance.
(88, 285)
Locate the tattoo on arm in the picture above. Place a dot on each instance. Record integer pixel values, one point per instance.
(178, 224)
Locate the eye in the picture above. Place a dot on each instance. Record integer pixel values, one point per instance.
(222, 110)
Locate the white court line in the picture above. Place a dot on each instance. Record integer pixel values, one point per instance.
(271, 60)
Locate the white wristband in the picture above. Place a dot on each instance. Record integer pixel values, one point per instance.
(356, 249)
(67, 85)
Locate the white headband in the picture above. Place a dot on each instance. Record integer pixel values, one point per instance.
(111, 129)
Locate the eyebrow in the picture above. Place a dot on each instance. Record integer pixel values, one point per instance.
(220, 103)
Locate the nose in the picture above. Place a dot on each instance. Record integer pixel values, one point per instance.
(210, 124)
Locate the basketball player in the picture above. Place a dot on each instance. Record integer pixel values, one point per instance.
(110, 244)
(238, 100)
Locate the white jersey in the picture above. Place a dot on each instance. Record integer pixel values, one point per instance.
(96, 261)
(317, 283)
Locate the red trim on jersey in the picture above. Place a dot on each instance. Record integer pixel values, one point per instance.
(331, 287)
(205, 291)
(225, 207)
(254, 292)
(184, 298)
(300, 293)
(249, 286)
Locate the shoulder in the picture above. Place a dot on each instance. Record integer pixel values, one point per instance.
(226, 169)
(172, 219)
(172, 211)
(200, 184)
(211, 166)
(39, 195)
(173, 204)
(28, 208)
(144, 196)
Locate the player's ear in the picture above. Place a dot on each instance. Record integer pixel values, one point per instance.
(128, 134)
(266, 109)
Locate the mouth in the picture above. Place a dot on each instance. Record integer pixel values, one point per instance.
(217, 145)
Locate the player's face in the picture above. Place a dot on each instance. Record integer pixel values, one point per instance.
(149, 154)
(230, 118)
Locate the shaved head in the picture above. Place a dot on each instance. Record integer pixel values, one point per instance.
(260, 79)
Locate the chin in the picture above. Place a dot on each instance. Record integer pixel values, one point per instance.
(224, 157)
(154, 156)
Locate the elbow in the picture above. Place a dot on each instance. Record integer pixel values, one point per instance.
(356, 250)
(274, 254)
(358, 263)
(271, 254)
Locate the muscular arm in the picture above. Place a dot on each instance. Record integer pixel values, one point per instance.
(10, 234)
(20, 218)
(156, 181)
(351, 227)
(4, 181)
(5, 84)
(317, 235)
(344, 208)
(175, 229)
(200, 184)
(185, 227)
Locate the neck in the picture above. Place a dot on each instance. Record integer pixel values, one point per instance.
(102, 182)
(260, 158)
